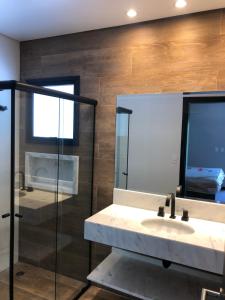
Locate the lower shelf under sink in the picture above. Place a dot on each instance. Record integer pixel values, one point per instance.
(136, 277)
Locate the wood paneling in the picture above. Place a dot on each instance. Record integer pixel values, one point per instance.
(39, 284)
(184, 53)
(94, 293)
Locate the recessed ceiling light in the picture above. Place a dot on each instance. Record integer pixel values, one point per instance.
(181, 3)
(131, 13)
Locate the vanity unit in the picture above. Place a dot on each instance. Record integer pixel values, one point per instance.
(165, 247)
(151, 254)
(197, 243)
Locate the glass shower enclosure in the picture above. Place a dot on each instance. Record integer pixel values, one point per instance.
(46, 183)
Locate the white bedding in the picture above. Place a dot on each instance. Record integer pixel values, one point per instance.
(204, 180)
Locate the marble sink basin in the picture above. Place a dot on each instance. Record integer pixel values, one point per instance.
(196, 243)
(168, 225)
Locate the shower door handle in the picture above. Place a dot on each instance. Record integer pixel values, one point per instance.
(5, 215)
(19, 216)
(3, 108)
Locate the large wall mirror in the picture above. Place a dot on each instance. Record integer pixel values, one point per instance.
(167, 140)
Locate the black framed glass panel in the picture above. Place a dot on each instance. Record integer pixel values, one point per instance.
(5, 193)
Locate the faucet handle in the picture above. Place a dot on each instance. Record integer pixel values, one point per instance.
(161, 212)
(185, 216)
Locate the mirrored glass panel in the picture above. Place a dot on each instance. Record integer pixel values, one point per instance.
(171, 140)
(205, 150)
(153, 159)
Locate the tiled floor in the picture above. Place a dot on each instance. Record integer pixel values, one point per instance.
(39, 284)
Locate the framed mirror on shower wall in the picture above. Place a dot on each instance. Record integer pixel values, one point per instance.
(166, 140)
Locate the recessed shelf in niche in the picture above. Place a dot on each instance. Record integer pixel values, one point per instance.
(43, 169)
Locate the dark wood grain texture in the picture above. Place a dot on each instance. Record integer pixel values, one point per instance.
(94, 293)
(39, 284)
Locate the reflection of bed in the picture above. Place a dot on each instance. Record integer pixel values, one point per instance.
(204, 182)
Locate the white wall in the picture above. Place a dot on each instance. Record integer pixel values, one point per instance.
(9, 59)
(155, 140)
(9, 70)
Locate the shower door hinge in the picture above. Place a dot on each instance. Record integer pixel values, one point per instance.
(19, 216)
(5, 215)
(3, 108)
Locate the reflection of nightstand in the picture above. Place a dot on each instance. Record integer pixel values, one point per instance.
(42, 171)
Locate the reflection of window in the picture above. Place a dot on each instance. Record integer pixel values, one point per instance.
(52, 118)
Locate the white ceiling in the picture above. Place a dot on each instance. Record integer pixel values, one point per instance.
(33, 19)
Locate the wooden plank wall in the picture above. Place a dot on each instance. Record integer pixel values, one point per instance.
(177, 54)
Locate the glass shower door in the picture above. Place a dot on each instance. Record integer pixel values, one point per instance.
(74, 203)
(5, 166)
(35, 196)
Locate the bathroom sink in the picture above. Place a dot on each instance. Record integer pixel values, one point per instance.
(168, 226)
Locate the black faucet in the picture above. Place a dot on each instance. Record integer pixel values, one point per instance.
(171, 201)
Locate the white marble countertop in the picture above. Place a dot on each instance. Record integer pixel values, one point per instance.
(121, 226)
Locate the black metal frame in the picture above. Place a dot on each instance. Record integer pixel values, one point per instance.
(53, 81)
(75, 80)
(209, 97)
(12, 198)
(13, 86)
(128, 149)
(123, 110)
